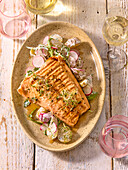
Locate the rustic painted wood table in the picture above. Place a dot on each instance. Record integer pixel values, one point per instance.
(16, 150)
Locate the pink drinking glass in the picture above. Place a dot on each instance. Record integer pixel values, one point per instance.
(14, 20)
(113, 138)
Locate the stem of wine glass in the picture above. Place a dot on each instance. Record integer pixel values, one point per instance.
(117, 59)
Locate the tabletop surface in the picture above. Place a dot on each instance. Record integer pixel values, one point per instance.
(17, 151)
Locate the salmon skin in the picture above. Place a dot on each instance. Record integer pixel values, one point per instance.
(55, 88)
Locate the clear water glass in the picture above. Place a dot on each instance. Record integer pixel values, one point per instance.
(14, 20)
(113, 138)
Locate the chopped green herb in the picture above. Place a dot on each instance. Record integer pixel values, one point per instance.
(29, 72)
(46, 80)
(27, 103)
(92, 96)
(50, 97)
(47, 85)
(35, 76)
(45, 132)
(59, 122)
(31, 115)
(50, 50)
(33, 85)
(41, 92)
(57, 97)
(36, 68)
(40, 123)
(34, 98)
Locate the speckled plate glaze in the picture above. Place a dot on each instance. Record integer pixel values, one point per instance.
(93, 65)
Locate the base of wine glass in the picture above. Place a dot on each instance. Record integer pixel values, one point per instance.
(117, 59)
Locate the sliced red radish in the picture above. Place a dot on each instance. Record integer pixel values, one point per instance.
(74, 55)
(72, 42)
(45, 117)
(55, 48)
(43, 127)
(77, 70)
(87, 90)
(30, 68)
(38, 61)
(74, 71)
(52, 131)
(78, 53)
(40, 110)
(45, 41)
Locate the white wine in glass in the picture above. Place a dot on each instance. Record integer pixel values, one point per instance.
(40, 6)
(115, 32)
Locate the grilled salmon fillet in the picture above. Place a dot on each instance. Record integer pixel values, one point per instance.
(55, 88)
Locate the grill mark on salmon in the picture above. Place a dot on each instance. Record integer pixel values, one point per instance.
(55, 78)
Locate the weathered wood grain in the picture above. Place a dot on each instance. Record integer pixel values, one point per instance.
(17, 150)
(119, 87)
(89, 16)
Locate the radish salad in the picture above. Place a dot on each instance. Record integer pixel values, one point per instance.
(54, 45)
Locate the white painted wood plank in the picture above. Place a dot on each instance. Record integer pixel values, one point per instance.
(119, 87)
(89, 16)
(17, 150)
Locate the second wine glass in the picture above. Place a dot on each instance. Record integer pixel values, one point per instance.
(115, 32)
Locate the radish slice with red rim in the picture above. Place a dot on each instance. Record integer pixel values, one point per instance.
(55, 48)
(45, 41)
(77, 70)
(87, 90)
(74, 55)
(30, 68)
(38, 61)
(43, 127)
(45, 117)
(78, 53)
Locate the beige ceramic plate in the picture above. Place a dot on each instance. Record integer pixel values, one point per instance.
(93, 65)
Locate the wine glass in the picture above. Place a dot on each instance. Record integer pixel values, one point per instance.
(40, 6)
(115, 32)
(14, 20)
(113, 138)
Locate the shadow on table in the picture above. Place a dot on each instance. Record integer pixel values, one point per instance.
(123, 161)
